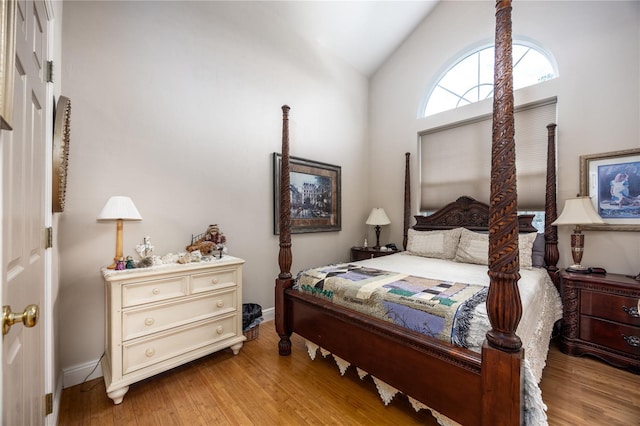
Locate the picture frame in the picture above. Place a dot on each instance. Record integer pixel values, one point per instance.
(612, 180)
(7, 61)
(315, 195)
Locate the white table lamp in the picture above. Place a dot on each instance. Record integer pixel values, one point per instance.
(578, 211)
(119, 208)
(378, 217)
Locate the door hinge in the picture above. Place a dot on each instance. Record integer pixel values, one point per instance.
(49, 71)
(48, 404)
(48, 237)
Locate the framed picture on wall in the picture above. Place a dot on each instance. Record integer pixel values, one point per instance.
(612, 180)
(315, 195)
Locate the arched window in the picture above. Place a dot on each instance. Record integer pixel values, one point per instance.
(470, 78)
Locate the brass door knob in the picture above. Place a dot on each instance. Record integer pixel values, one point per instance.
(29, 317)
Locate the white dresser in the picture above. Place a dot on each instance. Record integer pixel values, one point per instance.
(160, 317)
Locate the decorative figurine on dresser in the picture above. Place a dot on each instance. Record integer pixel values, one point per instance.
(168, 311)
(601, 318)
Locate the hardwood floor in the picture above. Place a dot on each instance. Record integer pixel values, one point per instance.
(258, 387)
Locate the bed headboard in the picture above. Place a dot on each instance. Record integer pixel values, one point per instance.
(466, 212)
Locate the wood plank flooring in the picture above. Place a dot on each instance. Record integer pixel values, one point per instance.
(258, 387)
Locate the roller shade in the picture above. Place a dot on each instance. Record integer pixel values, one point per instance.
(455, 159)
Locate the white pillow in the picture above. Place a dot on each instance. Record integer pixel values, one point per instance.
(474, 248)
(525, 243)
(437, 244)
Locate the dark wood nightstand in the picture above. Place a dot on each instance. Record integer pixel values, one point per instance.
(362, 253)
(601, 318)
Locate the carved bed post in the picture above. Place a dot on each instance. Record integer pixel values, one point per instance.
(504, 306)
(407, 200)
(551, 254)
(285, 258)
(502, 351)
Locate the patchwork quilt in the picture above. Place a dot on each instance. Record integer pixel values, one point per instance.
(436, 308)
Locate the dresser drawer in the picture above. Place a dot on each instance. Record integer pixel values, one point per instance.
(155, 290)
(142, 321)
(141, 354)
(214, 280)
(613, 307)
(610, 334)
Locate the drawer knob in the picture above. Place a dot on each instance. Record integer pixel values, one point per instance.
(150, 352)
(632, 340)
(214, 281)
(155, 291)
(220, 303)
(220, 330)
(149, 321)
(631, 311)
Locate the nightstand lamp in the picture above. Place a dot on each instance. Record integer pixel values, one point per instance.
(378, 217)
(120, 209)
(578, 211)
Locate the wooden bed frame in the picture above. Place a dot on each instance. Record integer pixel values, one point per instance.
(470, 388)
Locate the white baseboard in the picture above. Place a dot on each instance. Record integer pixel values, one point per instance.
(76, 374)
(269, 314)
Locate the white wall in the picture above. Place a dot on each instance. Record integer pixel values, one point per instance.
(177, 105)
(596, 46)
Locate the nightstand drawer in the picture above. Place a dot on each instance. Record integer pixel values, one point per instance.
(612, 307)
(154, 291)
(144, 321)
(142, 354)
(616, 336)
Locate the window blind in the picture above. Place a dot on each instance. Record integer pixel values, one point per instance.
(455, 160)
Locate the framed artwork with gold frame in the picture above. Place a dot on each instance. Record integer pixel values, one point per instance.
(612, 180)
(7, 61)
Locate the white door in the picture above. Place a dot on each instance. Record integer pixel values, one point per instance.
(23, 153)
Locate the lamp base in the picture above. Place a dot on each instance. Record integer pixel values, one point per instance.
(578, 269)
(377, 246)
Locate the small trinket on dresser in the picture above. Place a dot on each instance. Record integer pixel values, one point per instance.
(120, 264)
(129, 264)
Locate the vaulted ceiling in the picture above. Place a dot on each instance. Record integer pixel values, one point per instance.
(363, 33)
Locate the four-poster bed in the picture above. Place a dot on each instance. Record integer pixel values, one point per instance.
(467, 387)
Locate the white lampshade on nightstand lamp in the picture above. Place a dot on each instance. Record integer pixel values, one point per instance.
(378, 217)
(119, 208)
(578, 211)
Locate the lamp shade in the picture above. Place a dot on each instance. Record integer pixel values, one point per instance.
(119, 207)
(378, 217)
(578, 211)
